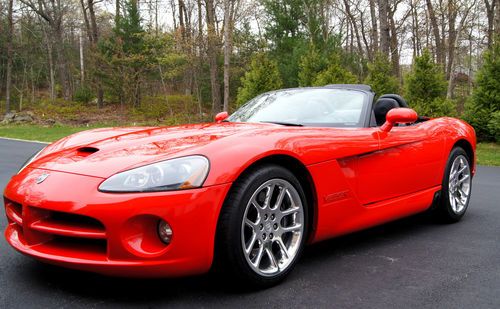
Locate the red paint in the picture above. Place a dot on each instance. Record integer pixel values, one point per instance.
(221, 116)
(361, 177)
(398, 115)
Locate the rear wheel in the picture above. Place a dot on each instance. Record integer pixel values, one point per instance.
(262, 229)
(456, 186)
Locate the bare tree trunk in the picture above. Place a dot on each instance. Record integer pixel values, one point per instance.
(452, 35)
(374, 27)
(490, 14)
(354, 25)
(95, 38)
(383, 8)
(199, 67)
(10, 34)
(50, 58)
(451, 83)
(368, 47)
(227, 51)
(497, 18)
(117, 12)
(82, 63)
(435, 31)
(86, 20)
(415, 29)
(181, 18)
(394, 44)
(212, 51)
(61, 61)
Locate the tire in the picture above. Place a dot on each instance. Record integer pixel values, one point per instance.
(248, 262)
(456, 187)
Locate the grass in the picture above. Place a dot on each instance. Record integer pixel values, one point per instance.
(41, 133)
(487, 153)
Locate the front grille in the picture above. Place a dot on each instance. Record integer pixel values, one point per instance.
(14, 212)
(70, 233)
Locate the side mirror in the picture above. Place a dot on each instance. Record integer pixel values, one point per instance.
(221, 117)
(398, 115)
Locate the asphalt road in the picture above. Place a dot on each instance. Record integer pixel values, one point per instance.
(411, 263)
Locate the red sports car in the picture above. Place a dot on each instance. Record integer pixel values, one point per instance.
(245, 193)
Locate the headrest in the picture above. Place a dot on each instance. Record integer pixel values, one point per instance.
(382, 107)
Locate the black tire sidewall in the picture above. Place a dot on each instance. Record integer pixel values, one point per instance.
(230, 248)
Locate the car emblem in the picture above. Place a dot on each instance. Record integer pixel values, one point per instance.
(41, 178)
(268, 227)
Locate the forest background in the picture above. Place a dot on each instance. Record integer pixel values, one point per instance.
(68, 65)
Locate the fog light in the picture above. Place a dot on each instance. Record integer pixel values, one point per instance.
(164, 231)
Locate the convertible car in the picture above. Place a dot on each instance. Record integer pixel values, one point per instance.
(244, 194)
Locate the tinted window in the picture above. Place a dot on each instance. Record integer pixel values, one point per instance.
(307, 106)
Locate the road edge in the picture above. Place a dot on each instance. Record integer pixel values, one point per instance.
(23, 140)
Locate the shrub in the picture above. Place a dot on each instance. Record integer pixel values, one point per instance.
(165, 107)
(84, 94)
(482, 111)
(438, 107)
(380, 76)
(494, 126)
(262, 76)
(335, 73)
(425, 86)
(311, 64)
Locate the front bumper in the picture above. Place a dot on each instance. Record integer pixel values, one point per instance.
(66, 221)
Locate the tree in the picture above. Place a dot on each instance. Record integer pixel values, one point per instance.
(335, 73)
(213, 55)
(311, 64)
(482, 111)
(53, 13)
(127, 54)
(285, 20)
(230, 8)
(490, 14)
(93, 35)
(10, 32)
(383, 11)
(262, 76)
(426, 88)
(380, 76)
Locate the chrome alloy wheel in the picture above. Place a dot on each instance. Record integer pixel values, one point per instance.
(272, 227)
(459, 184)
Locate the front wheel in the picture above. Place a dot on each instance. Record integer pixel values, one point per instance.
(456, 186)
(262, 229)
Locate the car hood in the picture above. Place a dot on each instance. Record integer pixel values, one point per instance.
(104, 152)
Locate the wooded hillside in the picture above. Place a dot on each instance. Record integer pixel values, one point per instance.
(153, 56)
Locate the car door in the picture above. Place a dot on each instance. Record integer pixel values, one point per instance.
(408, 161)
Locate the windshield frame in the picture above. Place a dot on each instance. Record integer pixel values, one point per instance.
(368, 96)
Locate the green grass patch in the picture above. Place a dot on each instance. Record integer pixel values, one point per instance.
(488, 154)
(41, 133)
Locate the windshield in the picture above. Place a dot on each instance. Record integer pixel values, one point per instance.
(305, 106)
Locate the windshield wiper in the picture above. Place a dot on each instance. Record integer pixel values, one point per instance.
(289, 124)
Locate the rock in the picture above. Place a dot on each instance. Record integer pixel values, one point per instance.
(9, 116)
(23, 118)
(50, 121)
(13, 117)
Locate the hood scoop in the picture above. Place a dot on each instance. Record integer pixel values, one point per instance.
(86, 151)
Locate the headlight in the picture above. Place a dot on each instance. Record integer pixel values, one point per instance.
(176, 174)
(31, 159)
